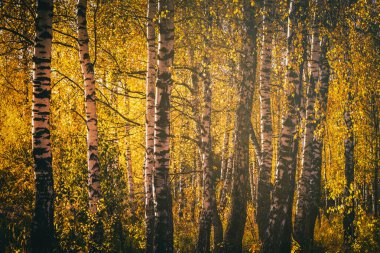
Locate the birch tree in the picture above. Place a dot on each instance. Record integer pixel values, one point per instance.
(94, 190)
(349, 207)
(128, 155)
(163, 236)
(307, 208)
(277, 237)
(240, 177)
(149, 124)
(265, 168)
(42, 227)
(209, 211)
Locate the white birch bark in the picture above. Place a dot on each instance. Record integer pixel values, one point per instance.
(42, 227)
(306, 208)
(225, 153)
(163, 236)
(94, 190)
(277, 238)
(149, 124)
(265, 166)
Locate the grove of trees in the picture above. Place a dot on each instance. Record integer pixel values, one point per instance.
(189, 126)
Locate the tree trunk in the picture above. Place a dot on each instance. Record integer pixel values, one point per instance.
(163, 235)
(278, 235)
(226, 189)
(309, 182)
(128, 155)
(42, 227)
(225, 154)
(149, 125)
(209, 213)
(375, 118)
(265, 167)
(349, 205)
(94, 190)
(128, 159)
(181, 186)
(240, 179)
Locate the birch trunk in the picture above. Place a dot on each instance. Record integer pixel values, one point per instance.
(226, 185)
(128, 155)
(42, 227)
(209, 213)
(163, 235)
(307, 208)
(181, 185)
(225, 154)
(240, 179)
(349, 205)
(277, 237)
(265, 167)
(87, 67)
(375, 118)
(128, 159)
(149, 125)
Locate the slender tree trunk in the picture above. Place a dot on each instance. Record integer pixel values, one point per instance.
(225, 154)
(181, 185)
(253, 183)
(375, 118)
(309, 182)
(226, 189)
(265, 167)
(42, 227)
(349, 205)
(149, 125)
(278, 234)
(194, 188)
(240, 180)
(163, 235)
(94, 190)
(128, 159)
(209, 213)
(128, 155)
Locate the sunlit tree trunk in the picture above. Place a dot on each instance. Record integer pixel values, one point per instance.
(226, 188)
(87, 67)
(265, 167)
(253, 183)
(163, 235)
(225, 153)
(309, 182)
(277, 237)
(240, 178)
(203, 243)
(181, 186)
(42, 227)
(149, 125)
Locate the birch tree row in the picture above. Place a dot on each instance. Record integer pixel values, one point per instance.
(260, 135)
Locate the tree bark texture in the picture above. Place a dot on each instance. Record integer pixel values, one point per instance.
(42, 227)
(278, 234)
(265, 167)
(163, 236)
(240, 177)
(309, 182)
(149, 125)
